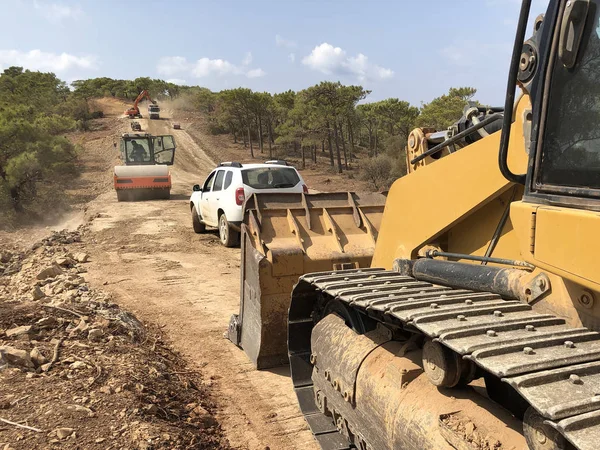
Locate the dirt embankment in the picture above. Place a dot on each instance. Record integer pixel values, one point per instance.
(77, 371)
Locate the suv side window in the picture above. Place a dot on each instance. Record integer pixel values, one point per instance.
(219, 180)
(208, 183)
(228, 179)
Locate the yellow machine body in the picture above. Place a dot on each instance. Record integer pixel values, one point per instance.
(462, 207)
(460, 202)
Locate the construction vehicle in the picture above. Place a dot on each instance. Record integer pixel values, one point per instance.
(135, 126)
(134, 111)
(153, 111)
(476, 324)
(145, 174)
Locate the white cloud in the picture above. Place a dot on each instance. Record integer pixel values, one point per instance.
(205, 67)
(325, 58)
(332, 60)
(292, 57)
(282, 42)
(255, 73)
(56, 12)
(47, 61)
(384, 73)
(178, 81)
(171, 65)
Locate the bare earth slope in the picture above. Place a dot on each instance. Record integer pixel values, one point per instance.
(148, 257)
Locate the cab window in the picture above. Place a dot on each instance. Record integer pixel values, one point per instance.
(137, 151)
(228, 179)
(164, 149)
(571, 141)
(208, 183)
(219, 180)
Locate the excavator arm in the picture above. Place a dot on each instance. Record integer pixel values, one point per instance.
(134, 111)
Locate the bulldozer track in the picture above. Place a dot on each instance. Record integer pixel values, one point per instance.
(554, 367)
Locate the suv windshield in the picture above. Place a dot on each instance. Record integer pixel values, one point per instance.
(270, 177)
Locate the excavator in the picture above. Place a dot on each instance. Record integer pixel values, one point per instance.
(475, 323)
(145, 173)
(134, 111)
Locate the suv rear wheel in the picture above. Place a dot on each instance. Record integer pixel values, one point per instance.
(228, 236)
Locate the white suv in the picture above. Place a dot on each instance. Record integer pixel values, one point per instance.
(218, 202)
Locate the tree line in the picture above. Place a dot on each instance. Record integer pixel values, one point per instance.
(126, 89)
(329, 123)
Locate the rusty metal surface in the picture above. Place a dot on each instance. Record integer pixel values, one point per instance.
(285, 236)
(335, 348)
(555, 368)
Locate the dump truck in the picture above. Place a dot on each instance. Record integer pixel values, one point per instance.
(145, 173)
(153, 111)
(475, 325)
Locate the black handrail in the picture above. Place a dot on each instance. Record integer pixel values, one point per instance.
(510, 95)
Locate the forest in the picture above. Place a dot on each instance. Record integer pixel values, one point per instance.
(329, 124)
(326, 124)
(36, 160)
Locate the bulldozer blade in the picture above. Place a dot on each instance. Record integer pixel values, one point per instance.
(285, 236)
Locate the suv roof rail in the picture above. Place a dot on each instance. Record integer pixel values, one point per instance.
(230, 164)
(281, 162)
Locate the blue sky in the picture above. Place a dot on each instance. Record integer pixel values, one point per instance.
(413, 50)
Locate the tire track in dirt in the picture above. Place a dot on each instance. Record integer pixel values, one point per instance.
(147, 255)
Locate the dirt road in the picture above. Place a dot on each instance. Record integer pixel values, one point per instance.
(147, 255)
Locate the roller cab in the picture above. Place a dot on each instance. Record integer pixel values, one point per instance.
(145, 174)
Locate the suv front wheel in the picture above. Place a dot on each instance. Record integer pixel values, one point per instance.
(199, 226)
(229, 237)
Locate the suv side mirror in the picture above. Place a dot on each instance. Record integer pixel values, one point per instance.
(197, 188)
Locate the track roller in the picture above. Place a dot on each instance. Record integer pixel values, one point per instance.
(540, 436)
(442, 365)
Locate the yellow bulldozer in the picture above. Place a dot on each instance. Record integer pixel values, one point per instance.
(475, 323)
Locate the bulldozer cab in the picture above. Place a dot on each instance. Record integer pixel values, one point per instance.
(564, 164)
(145, 149)
(559, 68)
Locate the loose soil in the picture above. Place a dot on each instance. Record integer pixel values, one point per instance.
(146, 257)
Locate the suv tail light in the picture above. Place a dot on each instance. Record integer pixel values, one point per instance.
(240, 196)
(305, 189)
